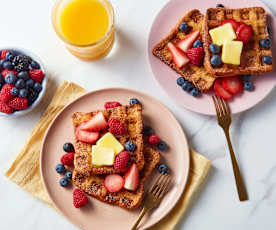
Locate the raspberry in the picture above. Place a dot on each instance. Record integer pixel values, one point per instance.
(115, 126)
(5, 93)
(67, 159)
(3, 54)
(36, 74)
(79, 198)
(195, 55)
(153, 139)
(6, 71)
(4, 108)
(18, 103)
(121, 161)
(111, 104)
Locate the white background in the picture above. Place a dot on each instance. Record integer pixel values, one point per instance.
(27, 24)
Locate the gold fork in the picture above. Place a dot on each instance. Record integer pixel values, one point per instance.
(154, 196)
(224, 121)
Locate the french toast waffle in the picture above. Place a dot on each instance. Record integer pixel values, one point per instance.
(197, 75)
(94, 184)
(251, 57)
(131, 117)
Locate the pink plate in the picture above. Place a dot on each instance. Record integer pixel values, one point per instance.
(165, 21)
(99, 215)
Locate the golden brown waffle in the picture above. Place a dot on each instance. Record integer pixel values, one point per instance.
(94, 184)
(251, 58)
(131, 117)
(197, 75)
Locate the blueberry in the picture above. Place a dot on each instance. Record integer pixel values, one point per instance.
(246, 77)
(68, 147)
(10, 78)
(265, 43)
(2, 80)
(60, 168)
(187, 86)
(30, 83)
(23, 93)
(269, 30)
(194, 92)
(163, 168)
(219, 5)
(23, 75)
(20, 84)
(248, 86)
(180, 81)
(35, 65)
(1, 85)
(214, 48)
(162, 145)
(215, 61)
(10, 56)
(14, 91)
(37, 87)
(147, 130)
(2, 62)
(197, 43)
(184, 27)
(63, 182)
(134, 101)
(32, 96)
(130, 146)
(68, 175)
(267, 60)
(7, 65)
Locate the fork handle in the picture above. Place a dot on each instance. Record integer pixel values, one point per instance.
(143, 212)
(238, 177)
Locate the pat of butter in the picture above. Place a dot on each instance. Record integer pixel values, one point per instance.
(222, 34)
(102, 156)
(231, 52)
(109, 141)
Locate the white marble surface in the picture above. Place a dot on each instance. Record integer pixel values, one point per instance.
(216, 206)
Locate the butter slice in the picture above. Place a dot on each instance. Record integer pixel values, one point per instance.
(222, 34)
(109, 141)
(231, 52)
(102, 156)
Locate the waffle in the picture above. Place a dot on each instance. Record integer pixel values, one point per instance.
(131, 116)
(94, 184)
(197, 75)
(251, 58)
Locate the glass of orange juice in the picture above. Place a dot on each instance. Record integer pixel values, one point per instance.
(85, 26)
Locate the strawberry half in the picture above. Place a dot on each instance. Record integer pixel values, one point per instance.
(179, 58)
(233, 85)
(233, 22)
(96, 123)
(187, 42)
(132, 178)
(220, 91)
(195, 55)
(87, 137)
(244, 33)
(114, 183)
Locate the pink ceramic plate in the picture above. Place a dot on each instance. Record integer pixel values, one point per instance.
(98, 215)
(165, 21)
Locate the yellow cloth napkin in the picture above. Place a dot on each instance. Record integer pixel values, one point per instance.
(24, 171)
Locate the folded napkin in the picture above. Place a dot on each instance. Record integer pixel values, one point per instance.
(24, 171)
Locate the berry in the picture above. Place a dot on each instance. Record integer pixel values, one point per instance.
(18, 103)
(2, 80)
(68, 147)
(214, 49)
(267, 60)
(163, 168)
(2, 62)
(132, 178)
(23, 75)
(10, 78)
(30, 83)
(197, 43)
(179, 58)
(153, 139)
(10, 56)
(60, 168)
(220, 91)
(195, 55)
(244, 33)
(7, 65)
(63, 182)
(219, 5)
(184, 27)
(187, 86)
(215, 61)
(21, 62)
(134, 101)
(5, 93)
(96, 123)
(121, 161)
(111, 104)
(20, 84)
(68, 175)
(265, 43)
(4, 54)
(162, 145)
(4, 108)
(246, 77)
(79, 198)
(87, 137)
(113, 183)
(5, 72)
(180, 81)
(67, 159)
(187, 42)
(248, 86)
(37, 75)
(14, 91)
(147, 130)
(130, 146)
(233, 85)
(35, 65)
(32, 96)
(37, 87)
(195, 92)
(23, 93)
(233, 22)
(115, 126)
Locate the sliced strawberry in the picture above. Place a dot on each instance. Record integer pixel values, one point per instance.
(233, 22)
(187, 42)
(233, 85)
(114, 183)
(179, 58)
(132, 178)
(244, 33)
(85, 136)
(96, 123)
(220, 91)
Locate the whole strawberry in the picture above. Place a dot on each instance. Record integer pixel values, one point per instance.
(18, 103)
(121, 161)
(79, 198)
(5, 93)
(36, 74)
(195, 55)
(67, 159)
(153, 139)
(111, 104)
(4, 108)
(115, 126)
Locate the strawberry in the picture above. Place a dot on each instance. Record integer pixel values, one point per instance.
(233, 22)
(121, 161)
(179, 58)
(18, 103)
(5, 93)
(113, 183)
(36, 74)
(6, 71)
(4, 108)
(67, 159)
(233, 85)
(3, 54)
(195, 55)
(220, 91)
(187, 42)
(132, 178)
(79, 198)
(244, 32)
(111, 104)
(87, 137)
(96, 123)
(153, 139)
(115, 126)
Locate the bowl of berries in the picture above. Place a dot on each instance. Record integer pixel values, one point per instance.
(22, 81)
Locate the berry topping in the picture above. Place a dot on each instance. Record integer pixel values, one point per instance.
(68, 147)
(2, 62)
(195, 92)
(219, 5)
(220, 91)
(10, 78)
(4, 108)
(187, 86)
(60, 168)
(7, 65)
(30, 83)
(87, 137)
(37, 75)
(179, 58)
(5, 93)
(196, 55)
(5, 72)
(14, 91)
(147, 130)
(32, 96)
(248, 86)
(232, 84)
(96, 123)
(20, 83)
(111, 104)
(184, 27)
(180, 81)
(35, 65)
(215, 61)
(23, 93)
(134, 101)
(18, 103)
(132, 178)
(23, 75)
(187, 42)
(153, 139)
(197, 43)
(244, 33)
(214, 49)
(115, 126)
(267, 60)
(21, 62)
(130, 146)
(67, 159)
(68, 175)
(37, 87)
(163, 168)
(162, 145)
(121, 161)
(63, 182)
(3, 54)
(265, 43)
(246, 77)
(233, 22)
(10, 56)
(113, 183)
(79, 198)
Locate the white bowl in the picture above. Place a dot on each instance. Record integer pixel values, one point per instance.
(44, 82)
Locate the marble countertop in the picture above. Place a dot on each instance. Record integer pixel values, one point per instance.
(216, 206)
